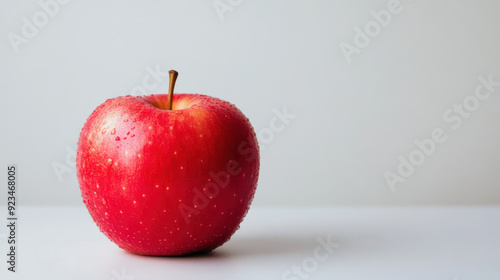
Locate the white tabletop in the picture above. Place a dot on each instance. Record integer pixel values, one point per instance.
(455, 243)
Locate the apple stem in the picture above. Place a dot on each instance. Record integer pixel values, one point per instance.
(172, 74)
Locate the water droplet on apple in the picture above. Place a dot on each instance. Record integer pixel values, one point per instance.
(132, 135)
(128, 133)
(117, 138)
(113, 131)
(103, 130)
(133, 127)
(126, 120)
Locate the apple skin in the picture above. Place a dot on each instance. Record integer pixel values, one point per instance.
(167, 182)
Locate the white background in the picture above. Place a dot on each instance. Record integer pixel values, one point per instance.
(354, 116)
(352, 121)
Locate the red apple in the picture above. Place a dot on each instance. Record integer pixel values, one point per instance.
(167, 174)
